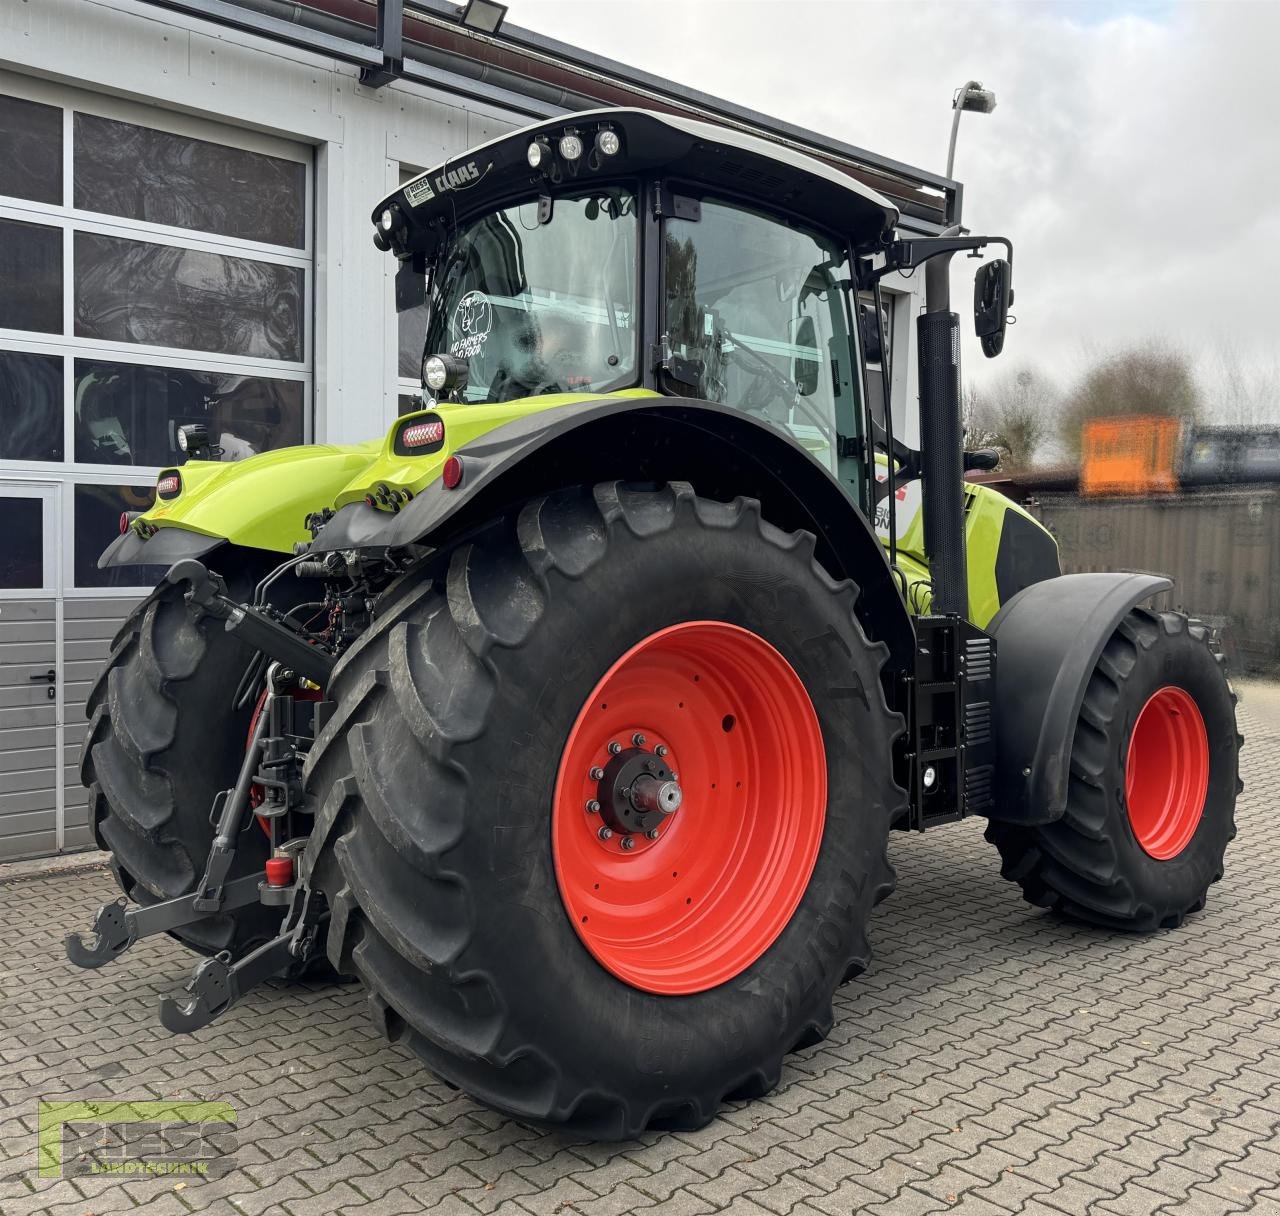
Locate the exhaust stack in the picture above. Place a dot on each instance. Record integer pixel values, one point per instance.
(942, 441)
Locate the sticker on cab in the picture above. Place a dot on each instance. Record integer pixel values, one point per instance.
(471, 324)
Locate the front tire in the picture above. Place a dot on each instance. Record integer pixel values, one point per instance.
(1152, 788)
(444, 779)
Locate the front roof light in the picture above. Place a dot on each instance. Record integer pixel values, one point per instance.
(537, 153)
(607, 142)
(570, 146)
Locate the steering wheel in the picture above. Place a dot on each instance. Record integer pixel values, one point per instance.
(773, 378)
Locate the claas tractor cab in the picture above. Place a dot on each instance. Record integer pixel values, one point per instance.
(572, 717)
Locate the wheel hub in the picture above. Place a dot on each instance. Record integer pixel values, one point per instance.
(638, 792)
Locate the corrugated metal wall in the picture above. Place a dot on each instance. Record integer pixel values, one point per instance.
(1222, 548)
(87, 629)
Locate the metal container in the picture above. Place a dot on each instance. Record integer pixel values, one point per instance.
(1221, 547)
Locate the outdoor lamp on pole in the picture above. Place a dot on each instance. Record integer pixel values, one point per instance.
(971, 96)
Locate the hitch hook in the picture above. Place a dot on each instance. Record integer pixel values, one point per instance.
(111, 934)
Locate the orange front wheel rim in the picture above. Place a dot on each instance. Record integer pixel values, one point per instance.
(1166, 776)
(689, 807)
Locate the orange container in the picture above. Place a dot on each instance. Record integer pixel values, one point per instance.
(1133, 455)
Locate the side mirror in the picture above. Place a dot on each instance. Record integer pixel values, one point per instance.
(983, 459)
(992, 299)
(411, 283)
(805, 371)
(869, 332)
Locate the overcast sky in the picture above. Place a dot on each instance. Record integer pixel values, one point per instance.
(1133, 156)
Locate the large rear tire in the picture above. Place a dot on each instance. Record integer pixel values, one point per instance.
(1152, 789)
(467, 867)
(164, 737)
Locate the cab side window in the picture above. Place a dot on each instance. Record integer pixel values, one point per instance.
(755, 310)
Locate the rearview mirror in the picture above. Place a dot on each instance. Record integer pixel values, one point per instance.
(805, 371)
(411, 284)
(869, 332)
(992, 299)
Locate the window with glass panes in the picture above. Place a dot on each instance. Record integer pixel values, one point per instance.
(154, 271)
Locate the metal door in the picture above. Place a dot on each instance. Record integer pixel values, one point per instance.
(30, 689)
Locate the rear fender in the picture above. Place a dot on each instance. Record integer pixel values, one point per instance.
(1048, 640)
(258, 503)
(720, 451)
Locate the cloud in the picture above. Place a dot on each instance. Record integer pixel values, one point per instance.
(1132, 155)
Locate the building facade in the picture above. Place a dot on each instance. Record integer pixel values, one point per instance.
(185, 193)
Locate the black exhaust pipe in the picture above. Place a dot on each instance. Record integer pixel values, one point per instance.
(942, 440)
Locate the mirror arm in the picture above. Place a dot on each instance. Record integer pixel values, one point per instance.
(907, 255)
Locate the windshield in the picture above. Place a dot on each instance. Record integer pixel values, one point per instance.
(541, 307)
(754, 307)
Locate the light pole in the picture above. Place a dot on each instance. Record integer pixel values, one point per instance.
(972, 96)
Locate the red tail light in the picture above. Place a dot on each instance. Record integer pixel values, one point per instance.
(124, 522)
(451, 475)
(169, 485)
(419, 436)
(422, 433)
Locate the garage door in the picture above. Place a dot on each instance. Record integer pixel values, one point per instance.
(155, 270)
(28, 669)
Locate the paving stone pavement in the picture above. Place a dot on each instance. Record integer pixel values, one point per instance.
(994, 1060)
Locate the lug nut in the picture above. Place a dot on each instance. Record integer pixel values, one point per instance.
(605, 833)
(597, 773)
(652, 833)
(638, 739)
(628, 843)
(614, 748)
(593, 807)
(663, 749)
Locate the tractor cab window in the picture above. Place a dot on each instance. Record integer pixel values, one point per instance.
(756, 318)
(541, 305)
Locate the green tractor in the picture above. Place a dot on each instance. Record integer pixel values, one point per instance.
(573, 716)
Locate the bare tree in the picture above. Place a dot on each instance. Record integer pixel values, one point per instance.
(1012, 414)
(1240, 390)
(1150, 379)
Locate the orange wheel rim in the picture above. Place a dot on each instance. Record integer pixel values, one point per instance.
(1166, 776)
(689, 807)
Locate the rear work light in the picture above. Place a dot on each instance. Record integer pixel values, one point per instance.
(169, 485)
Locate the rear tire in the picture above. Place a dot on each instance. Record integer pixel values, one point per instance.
(164, 738)
(1136, 849)
(437, 777)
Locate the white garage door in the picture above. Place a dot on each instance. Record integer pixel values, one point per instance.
(155, 270)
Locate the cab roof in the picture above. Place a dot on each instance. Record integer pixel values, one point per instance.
(690, 153)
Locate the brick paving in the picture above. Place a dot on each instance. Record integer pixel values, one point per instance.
(995, 1060)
